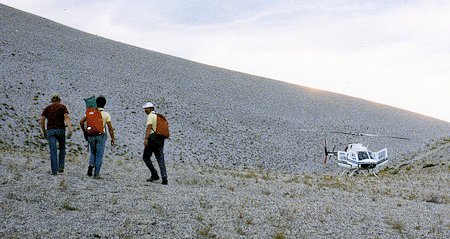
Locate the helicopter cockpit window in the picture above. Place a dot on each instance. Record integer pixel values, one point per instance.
(362, 155)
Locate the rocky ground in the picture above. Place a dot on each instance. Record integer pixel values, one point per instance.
(409, 199)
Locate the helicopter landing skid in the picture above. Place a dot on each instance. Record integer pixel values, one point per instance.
(357, 170)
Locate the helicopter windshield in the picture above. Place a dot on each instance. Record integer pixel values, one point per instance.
(363, 155)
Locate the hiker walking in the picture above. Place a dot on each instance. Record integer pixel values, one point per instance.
(154, 144)
(97, 140)
(57, 117)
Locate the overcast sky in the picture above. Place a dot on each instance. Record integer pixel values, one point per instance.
(387, 51)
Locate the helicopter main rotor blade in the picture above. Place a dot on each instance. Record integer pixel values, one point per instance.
(369, 135)
(353, 133)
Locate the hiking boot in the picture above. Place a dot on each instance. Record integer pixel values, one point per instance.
(153, 179)
(97, 176)
(89, 172)
(164, 182)
(61, 170)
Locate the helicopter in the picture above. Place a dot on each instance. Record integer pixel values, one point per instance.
(357, 158)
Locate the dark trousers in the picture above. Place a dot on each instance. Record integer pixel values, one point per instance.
(156, 148)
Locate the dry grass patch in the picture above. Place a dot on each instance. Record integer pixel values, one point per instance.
(294, 179)
(396, 225)
(67, 206)
(206, 232)
(329, 181)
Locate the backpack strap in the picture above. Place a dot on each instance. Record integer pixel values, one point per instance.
(153, 112)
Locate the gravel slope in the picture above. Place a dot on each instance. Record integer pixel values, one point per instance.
(245, 158)
(410, 200)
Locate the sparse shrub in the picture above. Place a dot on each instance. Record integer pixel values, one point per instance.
(72, 159)
(396, 171)
(418, 227)
(279, 235)
(249, 174)
(332, 182)
(393, 171)
(205, 232)
(412, 196)
(396, 225)
(63, 185)
(384, 170)
(194, 181)
(68, 207)
(241, 214)
(199, 218)
(265, 175)
(114, 200)
(429, 165)
(231, 188)
(289, 194)
(240, 231)
(205, 204)
(295, 179)
(158, 208)
(307, 180)
(328, 210)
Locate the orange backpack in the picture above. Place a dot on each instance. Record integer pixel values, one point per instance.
(162, 126)
(94, 122)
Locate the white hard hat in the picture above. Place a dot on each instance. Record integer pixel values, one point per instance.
(148, 105)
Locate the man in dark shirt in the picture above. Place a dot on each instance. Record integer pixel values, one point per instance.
(57, 117)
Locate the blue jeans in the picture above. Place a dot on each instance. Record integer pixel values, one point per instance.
(53, 136)
(97, 145)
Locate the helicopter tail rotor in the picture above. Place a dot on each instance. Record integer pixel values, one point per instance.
(326, 152)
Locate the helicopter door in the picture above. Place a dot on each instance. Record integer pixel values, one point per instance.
(342, 156)
(353, 156)
(382, 154)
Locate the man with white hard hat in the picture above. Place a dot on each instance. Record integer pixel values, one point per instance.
(153, 144)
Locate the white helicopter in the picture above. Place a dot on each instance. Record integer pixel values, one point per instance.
(357, 158)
